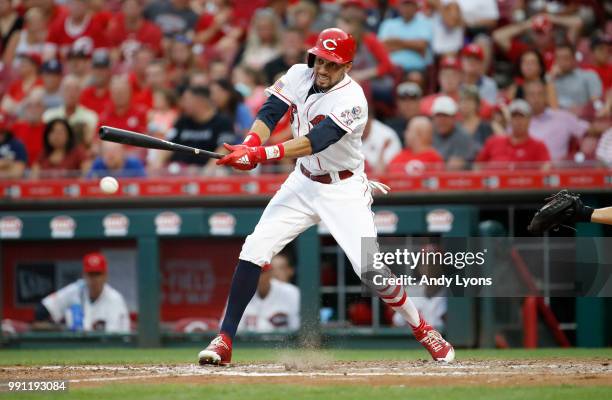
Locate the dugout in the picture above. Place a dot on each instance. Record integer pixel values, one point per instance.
(177, 263)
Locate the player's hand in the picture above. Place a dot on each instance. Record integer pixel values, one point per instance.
(241, 157)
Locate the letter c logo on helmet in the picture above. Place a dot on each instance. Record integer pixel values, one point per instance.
(328, 46)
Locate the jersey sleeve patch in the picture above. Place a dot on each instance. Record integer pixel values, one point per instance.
(349, 118)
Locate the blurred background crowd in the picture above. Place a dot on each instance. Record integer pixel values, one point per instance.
(452, 84)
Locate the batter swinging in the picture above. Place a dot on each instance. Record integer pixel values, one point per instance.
(328, 114)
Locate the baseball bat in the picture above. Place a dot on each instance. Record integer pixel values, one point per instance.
(123, 136)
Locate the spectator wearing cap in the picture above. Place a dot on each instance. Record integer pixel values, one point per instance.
(13, 155)
(408, 37)
(128, 30)
(83, 121)
(291, 52)
(577, 89)
(469, 108)
(418, 154)
(538, 33)
(380, 144)
(29, 38)
(61, 155)
(51, 73)
(96, 96)
(372, 67)
(89, 304)
(472, 61)
(450, 75)
(450, 140)
(449, 78)
(448, 28)
(115, 161)
(79, 30)
(174, 17)
(263, 42)
(408, 99)
(200, 125)
(274, 307)
(531, 67)
(516, 147)
(28, 79)
(78, 64)
(29, 126)
(556, 128)
(601, 61)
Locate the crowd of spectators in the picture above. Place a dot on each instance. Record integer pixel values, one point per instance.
(452, 84)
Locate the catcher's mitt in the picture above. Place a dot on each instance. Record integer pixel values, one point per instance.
(561, 209)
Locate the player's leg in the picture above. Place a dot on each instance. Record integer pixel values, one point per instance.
(285, 217)
(348, 216)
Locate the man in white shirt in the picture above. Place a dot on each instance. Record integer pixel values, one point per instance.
(88, 304)
(275, 306)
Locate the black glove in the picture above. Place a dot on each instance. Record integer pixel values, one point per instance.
(561, 209)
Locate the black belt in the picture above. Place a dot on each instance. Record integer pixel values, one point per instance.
(325, 178)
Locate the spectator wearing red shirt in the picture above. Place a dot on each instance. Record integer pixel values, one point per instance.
(128, 31)
(419, 154)
(538, 33)
(97, 96)
(122, 113)
(27, 80)
(29, 128)
(518, 147)
(79, 29)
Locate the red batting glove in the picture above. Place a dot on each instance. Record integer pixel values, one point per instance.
(246, 158)
(252, 140)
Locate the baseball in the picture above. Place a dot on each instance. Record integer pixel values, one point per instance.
(109, 185)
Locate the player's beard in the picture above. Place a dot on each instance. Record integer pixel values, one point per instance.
(327, 83)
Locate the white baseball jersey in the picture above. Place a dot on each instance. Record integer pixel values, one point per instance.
(108, 313)
(345, 104)
(280, 309)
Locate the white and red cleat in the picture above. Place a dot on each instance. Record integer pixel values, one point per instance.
(218, 352)
(433, 341)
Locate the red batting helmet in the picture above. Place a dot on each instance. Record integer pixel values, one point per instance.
(334, 45)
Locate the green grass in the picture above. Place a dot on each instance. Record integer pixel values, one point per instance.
(340, 392)
(188, 355)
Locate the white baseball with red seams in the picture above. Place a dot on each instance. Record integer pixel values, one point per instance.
(109, 185)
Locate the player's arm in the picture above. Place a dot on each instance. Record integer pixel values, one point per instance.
(602, 216)
(268, 116)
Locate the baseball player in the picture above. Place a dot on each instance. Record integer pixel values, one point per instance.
(328, 115)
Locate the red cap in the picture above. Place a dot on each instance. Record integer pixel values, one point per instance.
(473, 50)
(266, 267)
(94, 262)
(450, 62)
(334, 45)
(542, 24)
